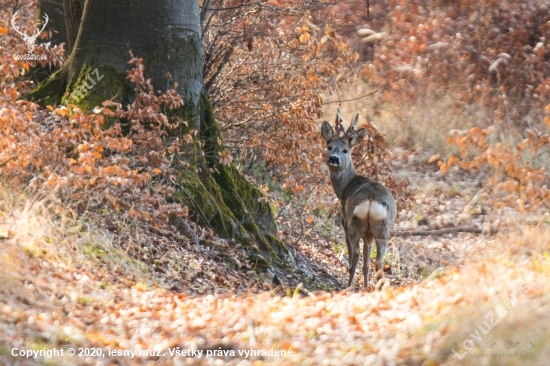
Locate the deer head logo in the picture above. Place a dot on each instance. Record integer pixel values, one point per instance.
(29, 40)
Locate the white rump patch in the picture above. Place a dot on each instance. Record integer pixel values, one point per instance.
(378, 211)
(374, 209)
(362, 210)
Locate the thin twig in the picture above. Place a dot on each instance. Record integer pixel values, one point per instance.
(7, 161)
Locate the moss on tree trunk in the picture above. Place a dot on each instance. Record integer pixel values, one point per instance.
(92, 86)
(223, 199)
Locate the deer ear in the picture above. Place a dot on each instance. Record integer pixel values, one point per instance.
(327, 131)
(358, 137)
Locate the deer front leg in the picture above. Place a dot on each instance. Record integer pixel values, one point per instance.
(347, 239)
(367, 247)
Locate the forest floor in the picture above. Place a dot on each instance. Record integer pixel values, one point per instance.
(457, 298)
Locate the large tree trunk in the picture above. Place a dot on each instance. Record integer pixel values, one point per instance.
(167, 35)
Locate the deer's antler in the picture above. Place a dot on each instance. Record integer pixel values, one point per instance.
(351, 129)
(338, 123)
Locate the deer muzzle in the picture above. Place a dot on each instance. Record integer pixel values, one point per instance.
(334, 160)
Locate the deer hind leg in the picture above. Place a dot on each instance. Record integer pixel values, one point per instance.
(379, 225)
(381, 245)
(367, 247)
(352, 239)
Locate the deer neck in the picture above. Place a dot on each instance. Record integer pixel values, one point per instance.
(340, 179)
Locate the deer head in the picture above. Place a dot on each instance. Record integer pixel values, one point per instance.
(340, 142)
(30, 41)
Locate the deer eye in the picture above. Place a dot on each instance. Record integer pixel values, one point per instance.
(329, 148)
(345, 151)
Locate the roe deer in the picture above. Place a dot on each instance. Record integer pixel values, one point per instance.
(368, 208)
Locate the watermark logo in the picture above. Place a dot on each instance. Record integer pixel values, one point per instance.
(511, 344)
(473, 345)
(504, 350)
(490, 322)
(30, 40)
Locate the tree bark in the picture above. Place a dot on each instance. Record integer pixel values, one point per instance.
(167, 34)
(72, 10)
(56, 22)
(157, 31)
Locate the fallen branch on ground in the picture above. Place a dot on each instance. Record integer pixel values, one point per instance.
(458, 229)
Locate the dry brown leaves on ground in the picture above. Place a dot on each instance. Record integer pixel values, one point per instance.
(46, 305)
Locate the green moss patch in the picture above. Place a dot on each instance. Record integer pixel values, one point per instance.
(93, 85)
(96, 84)
(51, 90)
